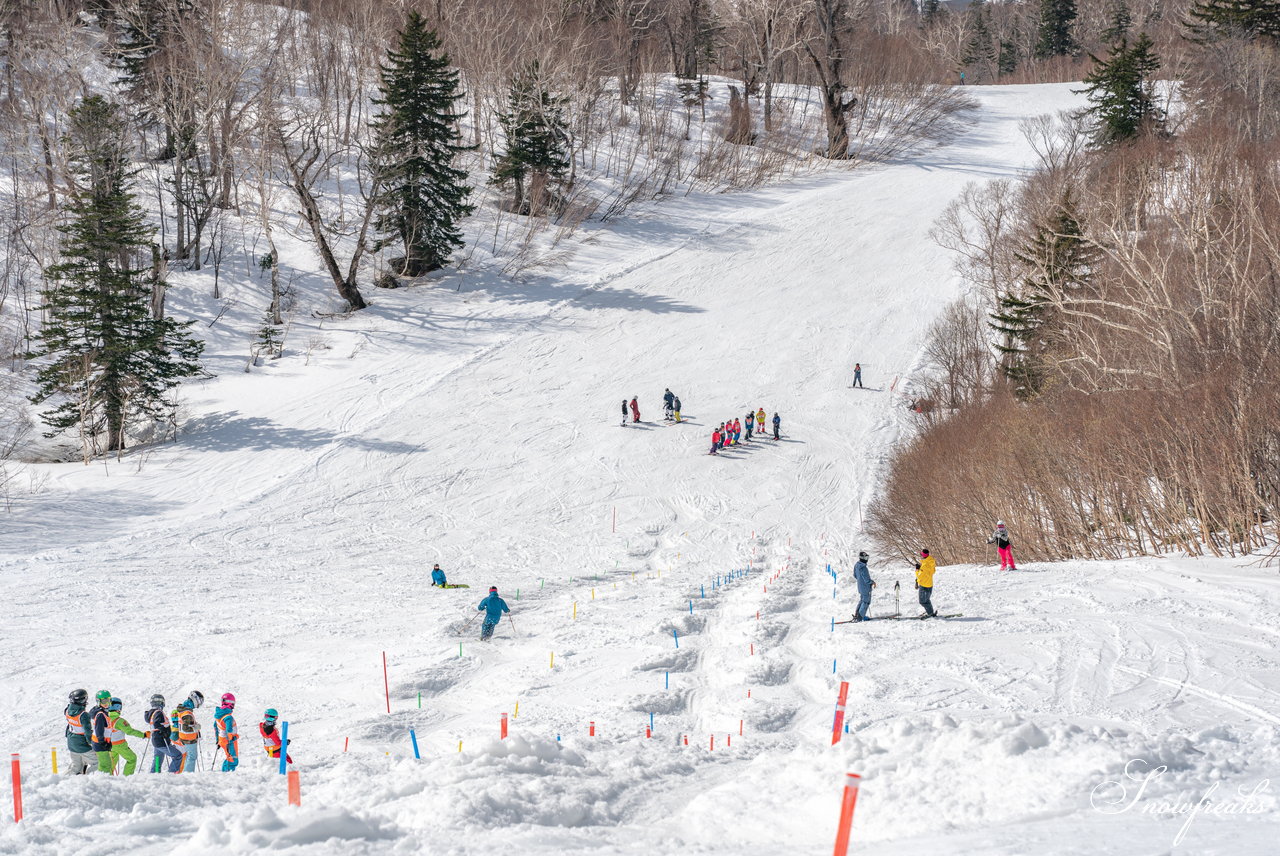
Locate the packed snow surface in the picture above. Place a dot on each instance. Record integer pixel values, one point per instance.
(282, 545)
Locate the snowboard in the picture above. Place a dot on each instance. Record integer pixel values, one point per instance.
(453, 585)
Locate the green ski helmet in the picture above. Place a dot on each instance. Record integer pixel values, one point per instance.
(103, 695)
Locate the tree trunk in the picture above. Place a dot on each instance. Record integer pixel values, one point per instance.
(830, 67)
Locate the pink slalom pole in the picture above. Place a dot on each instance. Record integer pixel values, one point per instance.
(386, 685)
(846, 813)
(838, 728)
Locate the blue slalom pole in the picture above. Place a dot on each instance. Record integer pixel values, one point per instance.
(284, 745)
(676, 634)
(414, 738)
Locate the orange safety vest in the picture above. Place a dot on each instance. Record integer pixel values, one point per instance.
(225, 734)
(114, 735)
(74, 725)
(271, 742)
(188, 730)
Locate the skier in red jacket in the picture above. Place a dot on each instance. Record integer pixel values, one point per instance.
(715, 440)
(635, 410)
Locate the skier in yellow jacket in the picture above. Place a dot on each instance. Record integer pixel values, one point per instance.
(119, 727)
(924, 582)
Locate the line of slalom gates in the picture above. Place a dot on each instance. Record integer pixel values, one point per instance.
(839, 727)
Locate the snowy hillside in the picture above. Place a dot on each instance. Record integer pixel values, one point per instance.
(283, 545)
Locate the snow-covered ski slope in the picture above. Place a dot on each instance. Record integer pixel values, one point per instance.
(284, 543)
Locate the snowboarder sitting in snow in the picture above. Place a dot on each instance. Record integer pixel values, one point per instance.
(437, 577)
(924, 581)
(493, 607)
(1003, 546)
(862, 576)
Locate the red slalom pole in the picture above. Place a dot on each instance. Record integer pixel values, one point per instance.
(386, 685)
(839, 724)
(504, 726)
(16, 766)
(846, 813)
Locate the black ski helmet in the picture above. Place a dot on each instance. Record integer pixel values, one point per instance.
(863, 555)
(157, 701)
(196, 698)
(79, 697)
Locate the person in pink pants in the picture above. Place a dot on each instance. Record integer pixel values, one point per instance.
(1003, 546)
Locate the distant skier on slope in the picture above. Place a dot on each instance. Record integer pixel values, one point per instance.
(668, 405)
(1003, 546)
(493, 607)
(79, 733)
(676, 408)
(437, 576)
(624, 413)
(862, 576)
(777, 425)
(857, 375)
(924, 582)
(737, 432)
(635, 410)
(751, 421)
(271, 735)
(715, 441)
(760, 426)
(226, 733)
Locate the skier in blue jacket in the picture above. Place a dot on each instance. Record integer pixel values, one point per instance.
(492, 607)
(862, 576)
(437, 576)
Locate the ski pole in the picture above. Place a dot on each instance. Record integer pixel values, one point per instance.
(513, 625)
(142, 765)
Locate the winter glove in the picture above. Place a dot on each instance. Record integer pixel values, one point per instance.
(917, 585)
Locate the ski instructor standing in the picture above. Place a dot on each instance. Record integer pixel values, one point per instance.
(924, 582)
(862, 576)
(492, 607)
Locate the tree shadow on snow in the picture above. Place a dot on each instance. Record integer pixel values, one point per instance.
(230, 432)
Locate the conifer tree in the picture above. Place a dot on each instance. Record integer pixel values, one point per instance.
(1248, 19)
(105, 359)
(980, 51)
(1118, 24)
(1056, 20)
(1059, 262)
(1122, 92)
(1007, 60)
(537, 141)
(422, 196)
(930, 11)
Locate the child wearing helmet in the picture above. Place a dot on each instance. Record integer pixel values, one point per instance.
(102, 730)
(437, 577)
(224, 731)
(79, 731)
(862, 576)
(271, 735)
(161, 740)
(493, 607)
(1004, 546)
(119, 746)
(186, 732)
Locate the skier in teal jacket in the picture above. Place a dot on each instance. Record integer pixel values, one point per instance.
(493, 607)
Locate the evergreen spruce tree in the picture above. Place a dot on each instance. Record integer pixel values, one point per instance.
(1056, 20)
(1007, 60)
(1059, 261)
(980, 51)
(1122, 92)
(930, 11)
(1249, 19)
(422, 196)
(1118, 24)
(105, 359)
(537, 141)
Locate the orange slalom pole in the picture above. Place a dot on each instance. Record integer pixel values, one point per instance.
(386, 685)
(839, 723)
(295, 789)
(16, 766)
(846, 813)
(591, 732)
(504, 726)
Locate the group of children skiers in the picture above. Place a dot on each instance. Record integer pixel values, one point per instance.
(96, 736)
(730, 433)
(925, 569)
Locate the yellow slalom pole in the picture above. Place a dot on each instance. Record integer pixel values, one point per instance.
(54, 753)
